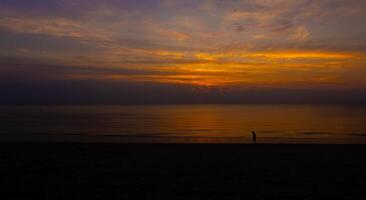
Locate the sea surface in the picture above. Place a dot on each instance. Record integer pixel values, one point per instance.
(185, 123)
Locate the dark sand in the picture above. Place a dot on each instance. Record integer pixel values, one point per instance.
(182, 171)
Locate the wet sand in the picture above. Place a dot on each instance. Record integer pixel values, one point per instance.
(182, 171)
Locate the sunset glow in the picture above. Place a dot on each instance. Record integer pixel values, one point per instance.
(199, 43)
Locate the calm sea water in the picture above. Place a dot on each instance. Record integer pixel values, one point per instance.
(185, 123)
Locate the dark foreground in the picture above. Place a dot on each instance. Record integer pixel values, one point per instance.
(182, 171)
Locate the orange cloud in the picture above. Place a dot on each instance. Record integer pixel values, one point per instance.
(180, 36)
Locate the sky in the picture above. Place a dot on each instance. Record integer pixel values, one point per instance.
(175, 51)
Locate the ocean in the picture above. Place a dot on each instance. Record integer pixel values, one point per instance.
(330, 124)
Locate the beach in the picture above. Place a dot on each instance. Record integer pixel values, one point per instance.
(182, 171)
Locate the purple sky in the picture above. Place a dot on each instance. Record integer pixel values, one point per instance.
(200, 51)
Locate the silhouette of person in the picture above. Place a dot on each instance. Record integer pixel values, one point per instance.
(254, 137)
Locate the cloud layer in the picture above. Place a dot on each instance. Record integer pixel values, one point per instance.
(211, 43)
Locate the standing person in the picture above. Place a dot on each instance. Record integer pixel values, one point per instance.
(254, 137)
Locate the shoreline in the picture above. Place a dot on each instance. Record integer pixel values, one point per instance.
(183, 171)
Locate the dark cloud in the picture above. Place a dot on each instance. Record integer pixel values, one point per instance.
(42, 43)
(73, 8)
(127, 92)
(34, 70)
(56, 51)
